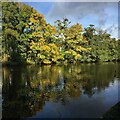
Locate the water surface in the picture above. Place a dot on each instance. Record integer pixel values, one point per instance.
(66, 91)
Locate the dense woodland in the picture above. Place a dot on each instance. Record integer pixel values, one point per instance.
(28, 38)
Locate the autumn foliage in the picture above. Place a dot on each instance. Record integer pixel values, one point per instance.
(27, 37)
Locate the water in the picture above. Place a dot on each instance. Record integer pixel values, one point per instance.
(0, 91)
(66, 91)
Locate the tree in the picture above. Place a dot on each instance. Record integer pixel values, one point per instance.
(42, 48)
(103, 46)
(14, 17)
(27, 37)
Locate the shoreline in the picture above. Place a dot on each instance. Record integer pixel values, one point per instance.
(113, 112)
(59, 63)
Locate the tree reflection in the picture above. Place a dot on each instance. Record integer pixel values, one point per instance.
(26, 89)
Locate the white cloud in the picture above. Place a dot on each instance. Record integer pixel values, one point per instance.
(63, 0)
(80, 10)
(97, 11)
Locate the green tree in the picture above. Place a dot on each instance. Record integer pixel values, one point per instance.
(14, 18)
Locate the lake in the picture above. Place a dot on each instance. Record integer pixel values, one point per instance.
(59, 91)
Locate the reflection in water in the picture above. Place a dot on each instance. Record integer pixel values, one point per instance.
(0, 91)
(29, 90)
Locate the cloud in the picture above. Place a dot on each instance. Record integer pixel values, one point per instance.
(102, 14)
(63, 0)
(79, 10)
(112, 28)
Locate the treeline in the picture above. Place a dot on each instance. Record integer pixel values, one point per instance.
(28, 38)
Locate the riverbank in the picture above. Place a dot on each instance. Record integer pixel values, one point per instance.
(9, 63)
(113, 113)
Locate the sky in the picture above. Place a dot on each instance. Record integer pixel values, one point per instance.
(102, 14)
